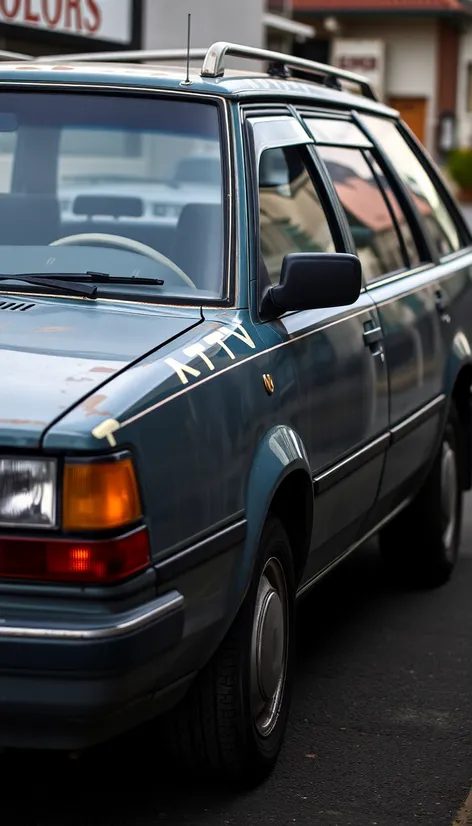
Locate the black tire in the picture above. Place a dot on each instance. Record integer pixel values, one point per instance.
(421, 546)
(215, 731)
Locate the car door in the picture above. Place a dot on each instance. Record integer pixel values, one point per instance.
(399, 280)
(331, 375)
(415, 307)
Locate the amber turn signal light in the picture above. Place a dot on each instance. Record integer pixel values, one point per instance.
(100, 495)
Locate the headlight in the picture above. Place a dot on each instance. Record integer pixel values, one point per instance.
(28, 493)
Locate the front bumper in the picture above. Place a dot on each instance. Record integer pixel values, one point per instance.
(70, 686)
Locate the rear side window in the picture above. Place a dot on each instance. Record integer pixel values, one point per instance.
(410, 248)
(291, 215)
(375, 224)
(435, 215)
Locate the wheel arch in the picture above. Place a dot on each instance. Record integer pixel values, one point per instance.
(279, 483)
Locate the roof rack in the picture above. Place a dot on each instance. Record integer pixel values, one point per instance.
(279, 64)
(139, 56)
(214, 62)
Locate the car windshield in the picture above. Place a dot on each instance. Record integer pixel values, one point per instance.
(130, 186)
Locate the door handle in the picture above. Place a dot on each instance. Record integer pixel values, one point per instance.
(373, 338)
(372, 335)
(442, 306)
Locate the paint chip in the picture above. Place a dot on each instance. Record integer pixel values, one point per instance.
(92, 404)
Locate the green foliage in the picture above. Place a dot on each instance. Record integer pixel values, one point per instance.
(459, 164)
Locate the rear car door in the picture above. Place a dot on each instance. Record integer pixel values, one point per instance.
(415, 306)
(338, 400)
(399, 280)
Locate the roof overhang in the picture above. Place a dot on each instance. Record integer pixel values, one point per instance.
(398, 8)
(285, 24)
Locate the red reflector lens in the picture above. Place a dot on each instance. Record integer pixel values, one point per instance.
(74, 561)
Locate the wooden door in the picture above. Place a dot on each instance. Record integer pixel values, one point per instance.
(413, 112)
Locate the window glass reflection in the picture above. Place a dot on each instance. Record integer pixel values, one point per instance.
(291, 215)
(440, 223)
(371, 223)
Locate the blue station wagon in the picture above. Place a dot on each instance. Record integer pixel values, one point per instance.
(214, 388)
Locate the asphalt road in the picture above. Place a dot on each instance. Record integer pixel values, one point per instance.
(379, 735)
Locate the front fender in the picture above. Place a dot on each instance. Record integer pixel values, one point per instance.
(279, 453)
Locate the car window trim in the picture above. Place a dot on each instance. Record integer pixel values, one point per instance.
(365, 282)
(399, 275)
(382, 190)
(340, 225)
(452, 256)
(252, 185)
(429, 166)
(423, 242)
(344, 144)
(332, 114)
(334, 204)
(378, 157)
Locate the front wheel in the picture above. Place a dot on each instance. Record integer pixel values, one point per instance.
(421, 545)
(232, 722)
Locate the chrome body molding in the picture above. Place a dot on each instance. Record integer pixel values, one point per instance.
(127, 624)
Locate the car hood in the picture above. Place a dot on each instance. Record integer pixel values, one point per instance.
(55, 353)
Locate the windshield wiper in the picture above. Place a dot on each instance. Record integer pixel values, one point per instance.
(53, 283)
(119, 279)
(65, 281)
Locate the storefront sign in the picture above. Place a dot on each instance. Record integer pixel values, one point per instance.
(100, 19)
(364, 57)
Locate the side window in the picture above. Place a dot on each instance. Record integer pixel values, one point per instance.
(291, 216)
(411, 249)
(379, 246)
(441, 226)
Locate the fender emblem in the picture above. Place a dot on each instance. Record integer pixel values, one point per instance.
(268, 383)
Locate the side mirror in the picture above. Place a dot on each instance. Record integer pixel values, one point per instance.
(314, 280)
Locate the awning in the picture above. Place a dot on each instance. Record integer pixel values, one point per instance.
(285, 24)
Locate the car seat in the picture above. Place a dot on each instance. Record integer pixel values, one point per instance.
(28, 219)
(198, 245)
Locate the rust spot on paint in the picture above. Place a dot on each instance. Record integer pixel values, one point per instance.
(102, 370)
(23, 422)
(92, 404)
(53, 329)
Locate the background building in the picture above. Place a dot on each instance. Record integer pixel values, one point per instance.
(52, 26)
(252, 22)
(414, 50)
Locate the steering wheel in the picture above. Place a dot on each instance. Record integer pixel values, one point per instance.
(124, 243)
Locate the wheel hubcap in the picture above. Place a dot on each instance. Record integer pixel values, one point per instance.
(269, 647)
(448, 496)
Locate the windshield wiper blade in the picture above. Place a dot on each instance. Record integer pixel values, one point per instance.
(106, 278)
(65, 281)
(39, 280)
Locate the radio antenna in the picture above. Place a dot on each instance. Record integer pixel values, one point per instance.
(189, 33)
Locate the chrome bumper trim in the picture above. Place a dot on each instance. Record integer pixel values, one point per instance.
(135, 620)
